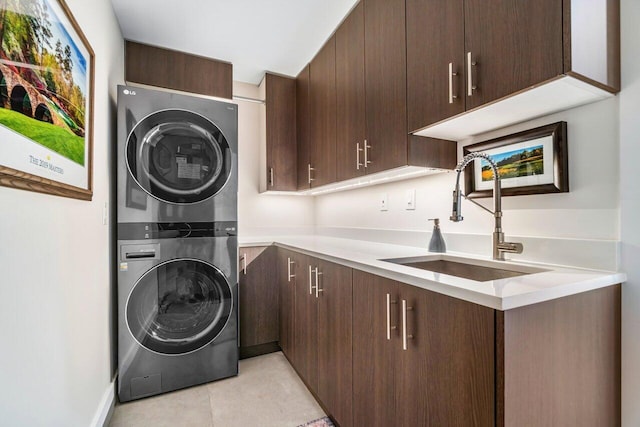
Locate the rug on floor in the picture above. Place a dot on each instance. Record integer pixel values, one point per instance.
(322, 422)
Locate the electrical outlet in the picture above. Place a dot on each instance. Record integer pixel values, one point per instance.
(410, 200)
(384, 202)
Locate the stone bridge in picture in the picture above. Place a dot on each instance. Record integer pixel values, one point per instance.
(19, 95)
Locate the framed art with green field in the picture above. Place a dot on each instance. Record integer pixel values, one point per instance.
(46, 99)
(531, 162)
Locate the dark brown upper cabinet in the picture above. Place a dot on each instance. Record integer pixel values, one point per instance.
(322, 115)
(350, 95)
(386, 84)
(435, 60)
(280, 103)
(467, 54)
(171, 69)
(303, 133)
(510, 46)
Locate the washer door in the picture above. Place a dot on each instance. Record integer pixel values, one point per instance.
(178, 156)
(179, 306)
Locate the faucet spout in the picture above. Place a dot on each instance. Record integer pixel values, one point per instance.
(499, 245)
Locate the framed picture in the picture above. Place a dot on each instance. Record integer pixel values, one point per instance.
(46, 99)
(530, 162)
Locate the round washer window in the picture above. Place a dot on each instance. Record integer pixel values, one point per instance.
(179, 306)
(178, 156)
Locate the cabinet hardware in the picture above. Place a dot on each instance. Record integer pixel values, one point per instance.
(244, 263)
(309, 169)
(311, 287)
(405, 336)
(389, 327)
(358, 150)
(470, 86)
(367, 162)
(271, 177)
(318, 273)
(451, 74)
(289, 264)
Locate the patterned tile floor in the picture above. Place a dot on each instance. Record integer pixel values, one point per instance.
(267, 393)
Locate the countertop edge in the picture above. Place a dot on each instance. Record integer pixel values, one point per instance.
(495, 302)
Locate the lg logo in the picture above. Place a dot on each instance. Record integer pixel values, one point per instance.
(128, 92)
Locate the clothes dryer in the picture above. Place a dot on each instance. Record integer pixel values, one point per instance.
(176, 157)
(177, 306)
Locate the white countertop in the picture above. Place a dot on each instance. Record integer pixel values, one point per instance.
(502, 294)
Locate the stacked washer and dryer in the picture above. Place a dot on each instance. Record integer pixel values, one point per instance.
(177, 185)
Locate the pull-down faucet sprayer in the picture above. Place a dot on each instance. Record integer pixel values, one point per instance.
(499, 245)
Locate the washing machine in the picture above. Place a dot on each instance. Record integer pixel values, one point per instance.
(176, 157)
(177, 306)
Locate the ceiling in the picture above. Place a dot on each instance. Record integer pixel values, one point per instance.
(280, 36)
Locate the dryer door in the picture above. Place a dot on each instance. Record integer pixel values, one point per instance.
(179, 306)
(178, 156)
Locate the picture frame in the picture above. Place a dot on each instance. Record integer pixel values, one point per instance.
(46, 100)
(534, 161)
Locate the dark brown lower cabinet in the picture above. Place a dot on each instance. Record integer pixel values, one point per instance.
(374, 342)
(258, 289)
(558, 362)
(334, 299)
(287, 277)
(305, 340)
(376, 352)
(420, 358)
(320, 320)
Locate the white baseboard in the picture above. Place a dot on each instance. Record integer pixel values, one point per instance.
(105, 408)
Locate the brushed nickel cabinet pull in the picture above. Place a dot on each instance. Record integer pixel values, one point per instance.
(309, 173)
(405, 336)
(470, 86)
(451, 74)
(244, 263)
(318, 290)
(310, 281)
(389, 327)
(367, 162)
(289, 264)
(271, 177)
(358, 150)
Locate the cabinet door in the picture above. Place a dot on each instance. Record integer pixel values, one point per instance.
(449, 357)
(435, 51)
(258, 287)
(385, 83)
(281, 133)
(302, 128)
(287, 275)
(322, 103)
(515, 44)
(306, 324)
(350, 96)
(335, 339)
(374, 349)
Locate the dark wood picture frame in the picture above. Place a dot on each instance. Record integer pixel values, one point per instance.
(560, 184)
(14, 178)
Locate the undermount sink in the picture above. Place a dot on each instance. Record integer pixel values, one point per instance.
(480, 271)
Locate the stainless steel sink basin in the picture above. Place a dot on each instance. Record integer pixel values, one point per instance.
(480, 271)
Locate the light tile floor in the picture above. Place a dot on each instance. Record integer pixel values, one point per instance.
(266, 393)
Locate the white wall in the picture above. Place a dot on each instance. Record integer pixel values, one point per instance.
(590, 210)
(263, 214)
(54, 257)
(630, 211)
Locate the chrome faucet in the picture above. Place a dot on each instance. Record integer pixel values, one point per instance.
(500, 247)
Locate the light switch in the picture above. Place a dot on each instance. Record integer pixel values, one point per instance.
(105, 213)
(384, 202)
(410, 200)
